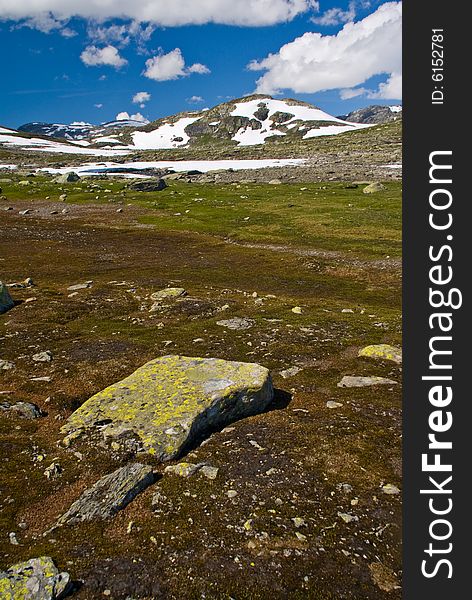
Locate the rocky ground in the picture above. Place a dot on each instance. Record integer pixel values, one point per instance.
(300, 501)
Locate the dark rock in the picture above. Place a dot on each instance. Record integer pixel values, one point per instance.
(25, 410)
(148, 186)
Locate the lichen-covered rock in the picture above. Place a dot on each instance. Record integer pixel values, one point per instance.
(349, 381)
(109, 495)
(171, 403)
(238, 323)
(167, 293)
(373, 188)
(382, 352)
(6, 301)
(183, 469)
(35, 579)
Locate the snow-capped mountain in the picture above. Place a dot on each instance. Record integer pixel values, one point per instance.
(374, 115)
(245, 121)
(78, 130)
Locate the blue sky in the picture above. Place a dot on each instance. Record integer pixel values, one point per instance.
(89, 62)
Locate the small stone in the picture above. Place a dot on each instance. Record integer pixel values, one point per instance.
(45, 356)
(79, 286)
(382, 352)
(13, 540)
(390, 489)
(298, 521)
(350, 381)
(63, 197)
(25, 410)
(275, 182)
(27, 211)
(333, 404)
(347, 310)
(237, 323)
(297, 310)
(209, 472)
(384, 577)
(347, 518)
(183, 469)
(53, 471)
(6, 301)
(300, 536)
(291, 372)
(6, 365)
(168, 293)
(231, 493)
(373, 188)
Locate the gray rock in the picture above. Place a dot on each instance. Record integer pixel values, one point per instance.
(148, 186)
(183, 469)
(209, 472)
(67, 178)
(78, 286)
(382, 352)
(167, 293)
(171, 403)
(35, 579)
(6, 365)
(27, 211)
(109, 495)
(45, 356)
(349, 381)
(373, 188)
(25, 410)
(291, 372)
(236, 323)
(6, 301)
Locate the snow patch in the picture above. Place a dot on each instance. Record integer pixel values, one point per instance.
(164, 136)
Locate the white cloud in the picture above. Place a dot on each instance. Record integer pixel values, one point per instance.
(124, 116)
(141, 98)
(313, 62)
(337, 16)
(165, 67)
(195, 100)
(391, 89)
(349, 93)
(164, 12)
(199, 68)
(98, 105)
(108, 56)
(120, 34)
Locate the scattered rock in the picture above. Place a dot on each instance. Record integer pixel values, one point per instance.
(63, 197)
(231, 493)
(53, 471)
(291, 372)
(350, 381)
(35, 579)
(373, 188)
(275, 182)
(6, 301)
(79, 286)
(183, 469)
(25, 410)
(239, 323)
(384, 577)
(148, 186)
(109, 495)
(45, 356)
(70, 177)
(27, 211)
(171, 403)
(6, 365)
(333, 404)
(209, 472)
(347, 518)
(297, 310)
(390, 489)
(382, 352)
(168, 293)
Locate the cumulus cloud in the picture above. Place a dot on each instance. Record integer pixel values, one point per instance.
(141, 98)
(315, 62)
(347, 94)
(166, 67)
(195, 100)
(391, 89)
(120, 34)
(124, 116)
(337, 16)
(100, 105)
(46, 23)
(107, 56)
(164, 12)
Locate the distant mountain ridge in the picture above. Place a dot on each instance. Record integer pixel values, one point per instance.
(77, 130)
(374, 115)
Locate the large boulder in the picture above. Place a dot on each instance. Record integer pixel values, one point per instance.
(382, 352)
(171, 403)
(6, 301)
(155, 185)
(35, 579)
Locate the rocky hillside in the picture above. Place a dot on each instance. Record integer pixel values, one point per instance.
(374, 115)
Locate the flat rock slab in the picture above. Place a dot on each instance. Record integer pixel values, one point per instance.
(382, 352)
(35, 579)
(6, 301)
(167, 293)
(238, 323)
(350, 381)
(109, 495)
(172, 402)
